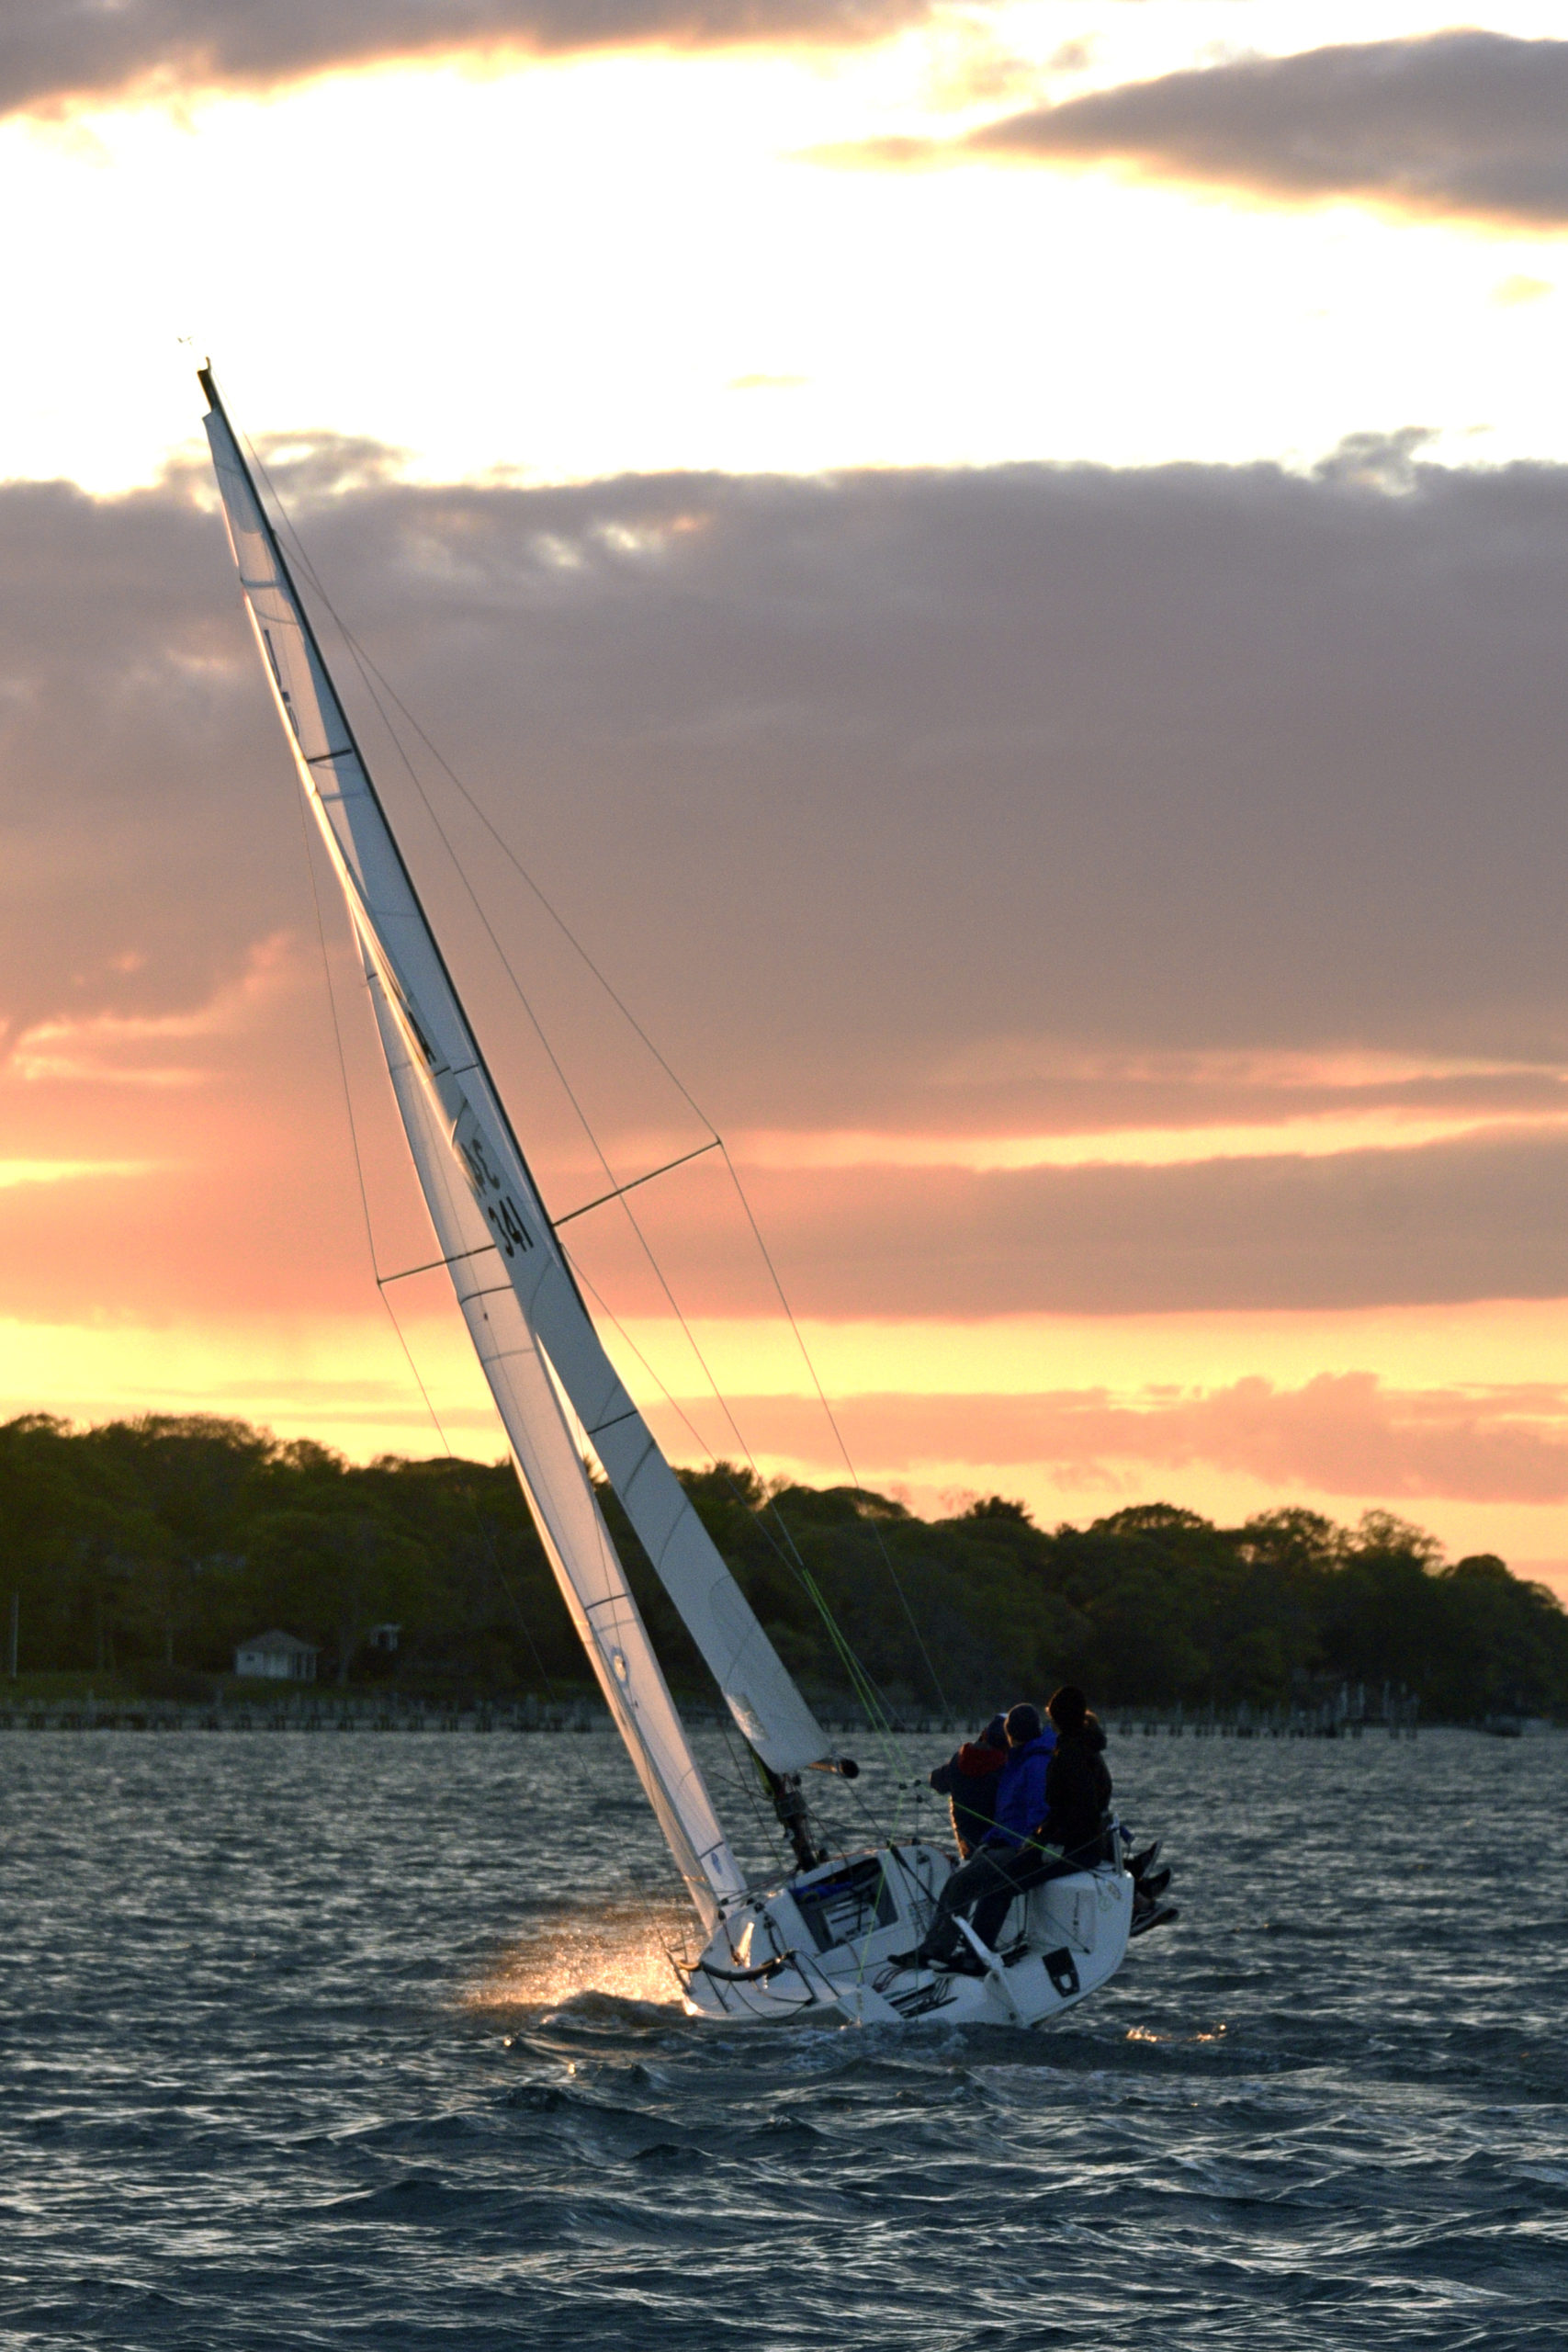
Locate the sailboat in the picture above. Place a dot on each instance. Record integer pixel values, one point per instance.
(829, 1939)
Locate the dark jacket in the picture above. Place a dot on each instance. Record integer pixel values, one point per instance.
(969, 1781)
(1021, 1797)
(1077, 1790)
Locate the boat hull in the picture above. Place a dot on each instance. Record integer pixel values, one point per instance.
(824, 1946)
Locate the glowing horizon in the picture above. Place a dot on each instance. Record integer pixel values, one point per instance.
(1034, 675)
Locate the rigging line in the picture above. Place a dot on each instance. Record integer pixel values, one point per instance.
(859, 1801)
(872, 1700)
(873, 1704)
(489, 931)
(365, 662)
(365, 666)
(485, 923)
(832, 1422)
(790, 1557)
(857, 1672)
(370, 1245)
(466, 1490)
(618, 1192)
(366, 669)
(743, 1774)
(337, 1038)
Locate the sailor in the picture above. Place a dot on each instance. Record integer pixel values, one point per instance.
(1020, 1802)
(1070, 1834)
(969, 1781)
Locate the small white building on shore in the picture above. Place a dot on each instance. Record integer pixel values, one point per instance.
(278, 1655)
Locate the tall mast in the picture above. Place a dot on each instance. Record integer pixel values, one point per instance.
(335, 712)
(533, 1334)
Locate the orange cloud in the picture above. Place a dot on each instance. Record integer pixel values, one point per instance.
(134, 1049)
(1317, 1137)
(1340, 1434)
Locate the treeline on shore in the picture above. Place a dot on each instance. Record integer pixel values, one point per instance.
(153, 1548)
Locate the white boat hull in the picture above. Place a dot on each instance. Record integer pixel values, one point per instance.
(824, 1944)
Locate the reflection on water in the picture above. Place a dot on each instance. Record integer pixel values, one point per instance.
(1147, 2033)
(374, 2042)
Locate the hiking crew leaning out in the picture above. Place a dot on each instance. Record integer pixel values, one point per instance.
(1051, 1799)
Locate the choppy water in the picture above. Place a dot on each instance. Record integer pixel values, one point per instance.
(301, 2046)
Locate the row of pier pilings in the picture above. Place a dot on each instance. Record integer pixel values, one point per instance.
(1341, 1714)
(313, 1712)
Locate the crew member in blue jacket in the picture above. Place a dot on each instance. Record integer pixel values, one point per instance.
(1020, 1804)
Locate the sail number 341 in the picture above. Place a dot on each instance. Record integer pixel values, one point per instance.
(489, 1189)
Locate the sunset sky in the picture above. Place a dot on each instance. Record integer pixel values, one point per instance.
(1003, 570)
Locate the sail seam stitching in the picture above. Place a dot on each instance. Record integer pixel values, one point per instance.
(613, 1422)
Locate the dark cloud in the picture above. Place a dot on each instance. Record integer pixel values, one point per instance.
(1186, 758)
(1451, 1223)
(1473, 124)
(979, 802)
(52, 50)
(123, 714)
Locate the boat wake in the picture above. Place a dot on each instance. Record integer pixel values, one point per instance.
(619, 1950)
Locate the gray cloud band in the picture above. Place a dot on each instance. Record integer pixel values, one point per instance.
(906, 802)
(1468, 123)
(55, 49)
(1451, 1222)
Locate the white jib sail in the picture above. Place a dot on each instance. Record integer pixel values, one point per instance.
(560, 1496)
(455, 1123)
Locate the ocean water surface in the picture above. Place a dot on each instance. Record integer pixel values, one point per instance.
(331, 2039)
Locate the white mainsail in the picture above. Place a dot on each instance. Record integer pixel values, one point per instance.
(522, 1305)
